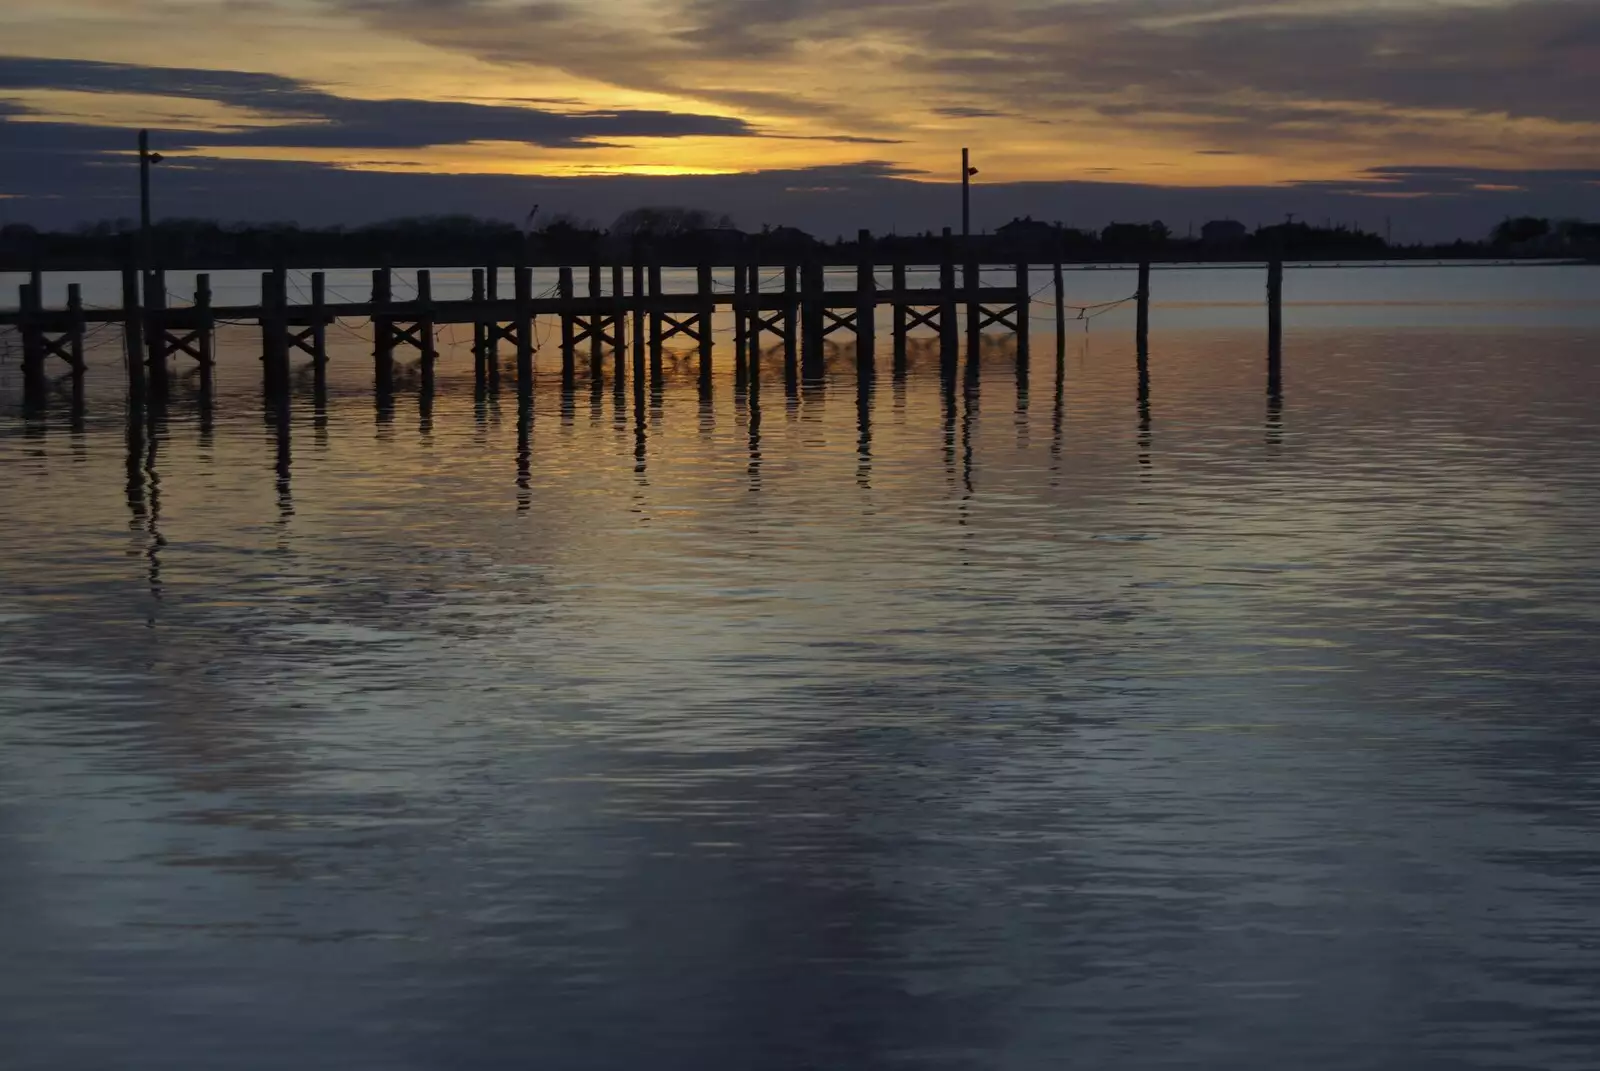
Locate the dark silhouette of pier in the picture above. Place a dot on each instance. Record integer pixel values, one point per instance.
(788, 303)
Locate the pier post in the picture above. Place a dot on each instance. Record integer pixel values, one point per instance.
(132, 332)
(619, 325)
(382, 331)
(706, 301)
(791, 323)
(491, 350)
(424, 323)
(76, 328)
(898, 285)
(1274, 315)
(1142, 323)
(319, 322)
(753, 338)
(29, 308)
(522, 288)
(948, 332)
(655, 323)
(205, 324)
(639, 317)
(971, 281)
(479, 333)
(740, 326)
(274, 334)
(813, 287)
(597, 318)
(1024, 318)
(866, 305)
(1061, 313)
(568, 346)
(155, 332)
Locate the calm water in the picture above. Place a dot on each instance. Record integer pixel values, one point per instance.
(1051, 722)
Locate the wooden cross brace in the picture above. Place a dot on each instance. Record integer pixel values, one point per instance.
(502, 332)
(922, 317)
(412, 335)
(761, 323)
(837, 321)
(302, 340)
(188, 343)
(58, 347)
(595, 327)
(997, 316)
(691, 327)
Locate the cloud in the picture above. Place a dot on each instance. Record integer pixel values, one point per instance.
(963, 112)
(318, 119)
(1479, 79)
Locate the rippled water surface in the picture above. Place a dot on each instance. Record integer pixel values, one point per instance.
(1065, 718)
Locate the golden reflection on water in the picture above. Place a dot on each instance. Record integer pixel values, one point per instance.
(1091, 706)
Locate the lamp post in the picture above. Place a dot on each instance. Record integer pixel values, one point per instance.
(146, 244)
(967, 171)
(146, 158)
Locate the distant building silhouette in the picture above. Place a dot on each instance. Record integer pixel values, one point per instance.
(1027, 228)
(1224, 233)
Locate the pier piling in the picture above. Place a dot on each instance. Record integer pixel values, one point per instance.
(1141, 329)
(382, 331)
(1274, 312)
(522, 289)
(706, 309)
(866, 306)
(132, 333)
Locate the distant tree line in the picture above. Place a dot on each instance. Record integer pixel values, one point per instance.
(685, 235)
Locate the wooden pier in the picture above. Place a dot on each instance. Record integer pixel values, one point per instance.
(788, 303)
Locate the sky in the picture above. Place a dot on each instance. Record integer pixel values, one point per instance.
(1432, 118)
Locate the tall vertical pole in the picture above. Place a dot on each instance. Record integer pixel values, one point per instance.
(144, 199)
(966, 193)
